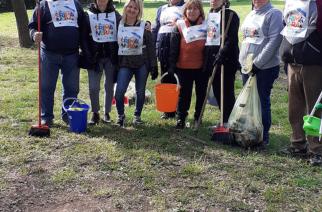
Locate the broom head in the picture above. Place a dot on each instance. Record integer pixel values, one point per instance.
(39, 131)
(221, 134)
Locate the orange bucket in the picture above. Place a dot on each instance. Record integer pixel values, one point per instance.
(167, 95)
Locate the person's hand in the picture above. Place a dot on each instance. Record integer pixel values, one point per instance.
(37, 37)
(219, 59)
(154, 72)
(254, 70)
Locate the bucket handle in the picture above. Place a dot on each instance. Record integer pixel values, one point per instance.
(175, 76)
(71, 105)
(316, 106)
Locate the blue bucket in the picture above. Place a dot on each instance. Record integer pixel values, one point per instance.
(77, 114)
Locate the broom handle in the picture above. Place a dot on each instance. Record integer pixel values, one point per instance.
(222, 68)
(211, 79)
(39, 67)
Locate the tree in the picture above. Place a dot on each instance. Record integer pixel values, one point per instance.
(20, 11)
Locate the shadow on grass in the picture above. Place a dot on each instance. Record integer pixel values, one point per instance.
(163, 137)
(160, 137)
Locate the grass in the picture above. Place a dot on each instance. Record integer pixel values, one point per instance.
(145, 168)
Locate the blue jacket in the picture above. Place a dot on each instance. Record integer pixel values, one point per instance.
(62, 40)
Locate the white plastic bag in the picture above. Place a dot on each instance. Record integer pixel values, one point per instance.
(130, 94)
(245, 120)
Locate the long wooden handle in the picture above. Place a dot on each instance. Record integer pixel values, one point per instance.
(39, 65)
(222, 67)
(211, 79)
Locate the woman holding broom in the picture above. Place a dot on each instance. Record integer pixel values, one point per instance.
(186, 57)
(260, 53)
(227, 56)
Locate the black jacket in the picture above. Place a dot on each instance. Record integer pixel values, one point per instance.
(162, 40)
(307, 52)
(92, 51)
(230, 49)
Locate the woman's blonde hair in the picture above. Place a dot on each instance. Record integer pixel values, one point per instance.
(139, 4)
(197, 3)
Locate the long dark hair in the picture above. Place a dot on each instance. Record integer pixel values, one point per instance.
(227, 3)
(109, 7)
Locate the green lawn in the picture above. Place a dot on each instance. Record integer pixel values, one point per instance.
(146, 168)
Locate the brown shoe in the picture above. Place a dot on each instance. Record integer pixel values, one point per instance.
(95, 119)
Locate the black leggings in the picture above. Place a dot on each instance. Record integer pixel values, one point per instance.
(229, 88)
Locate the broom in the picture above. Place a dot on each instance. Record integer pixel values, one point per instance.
(211, 79)
(38, 129)
(221, 133)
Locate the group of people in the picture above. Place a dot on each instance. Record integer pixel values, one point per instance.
(187, 44)
(119, 47)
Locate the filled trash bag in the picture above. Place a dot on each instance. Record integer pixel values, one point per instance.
(245, 120)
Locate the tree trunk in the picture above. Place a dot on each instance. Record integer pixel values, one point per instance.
(20, 11)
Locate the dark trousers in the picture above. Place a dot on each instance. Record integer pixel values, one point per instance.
(229, 89)
(187, 77)
(167, 79)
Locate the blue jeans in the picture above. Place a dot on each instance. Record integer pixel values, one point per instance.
(51, 63)
(123, 79)
(265, 79)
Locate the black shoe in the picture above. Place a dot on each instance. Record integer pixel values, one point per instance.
(263, 147)
(180, 124)
(48, 123)
(107, 118)
(121, 121)
(65, 119)
(316, 160)
(295, 152)
(168, 115)
(137, 120)
(95, 119)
